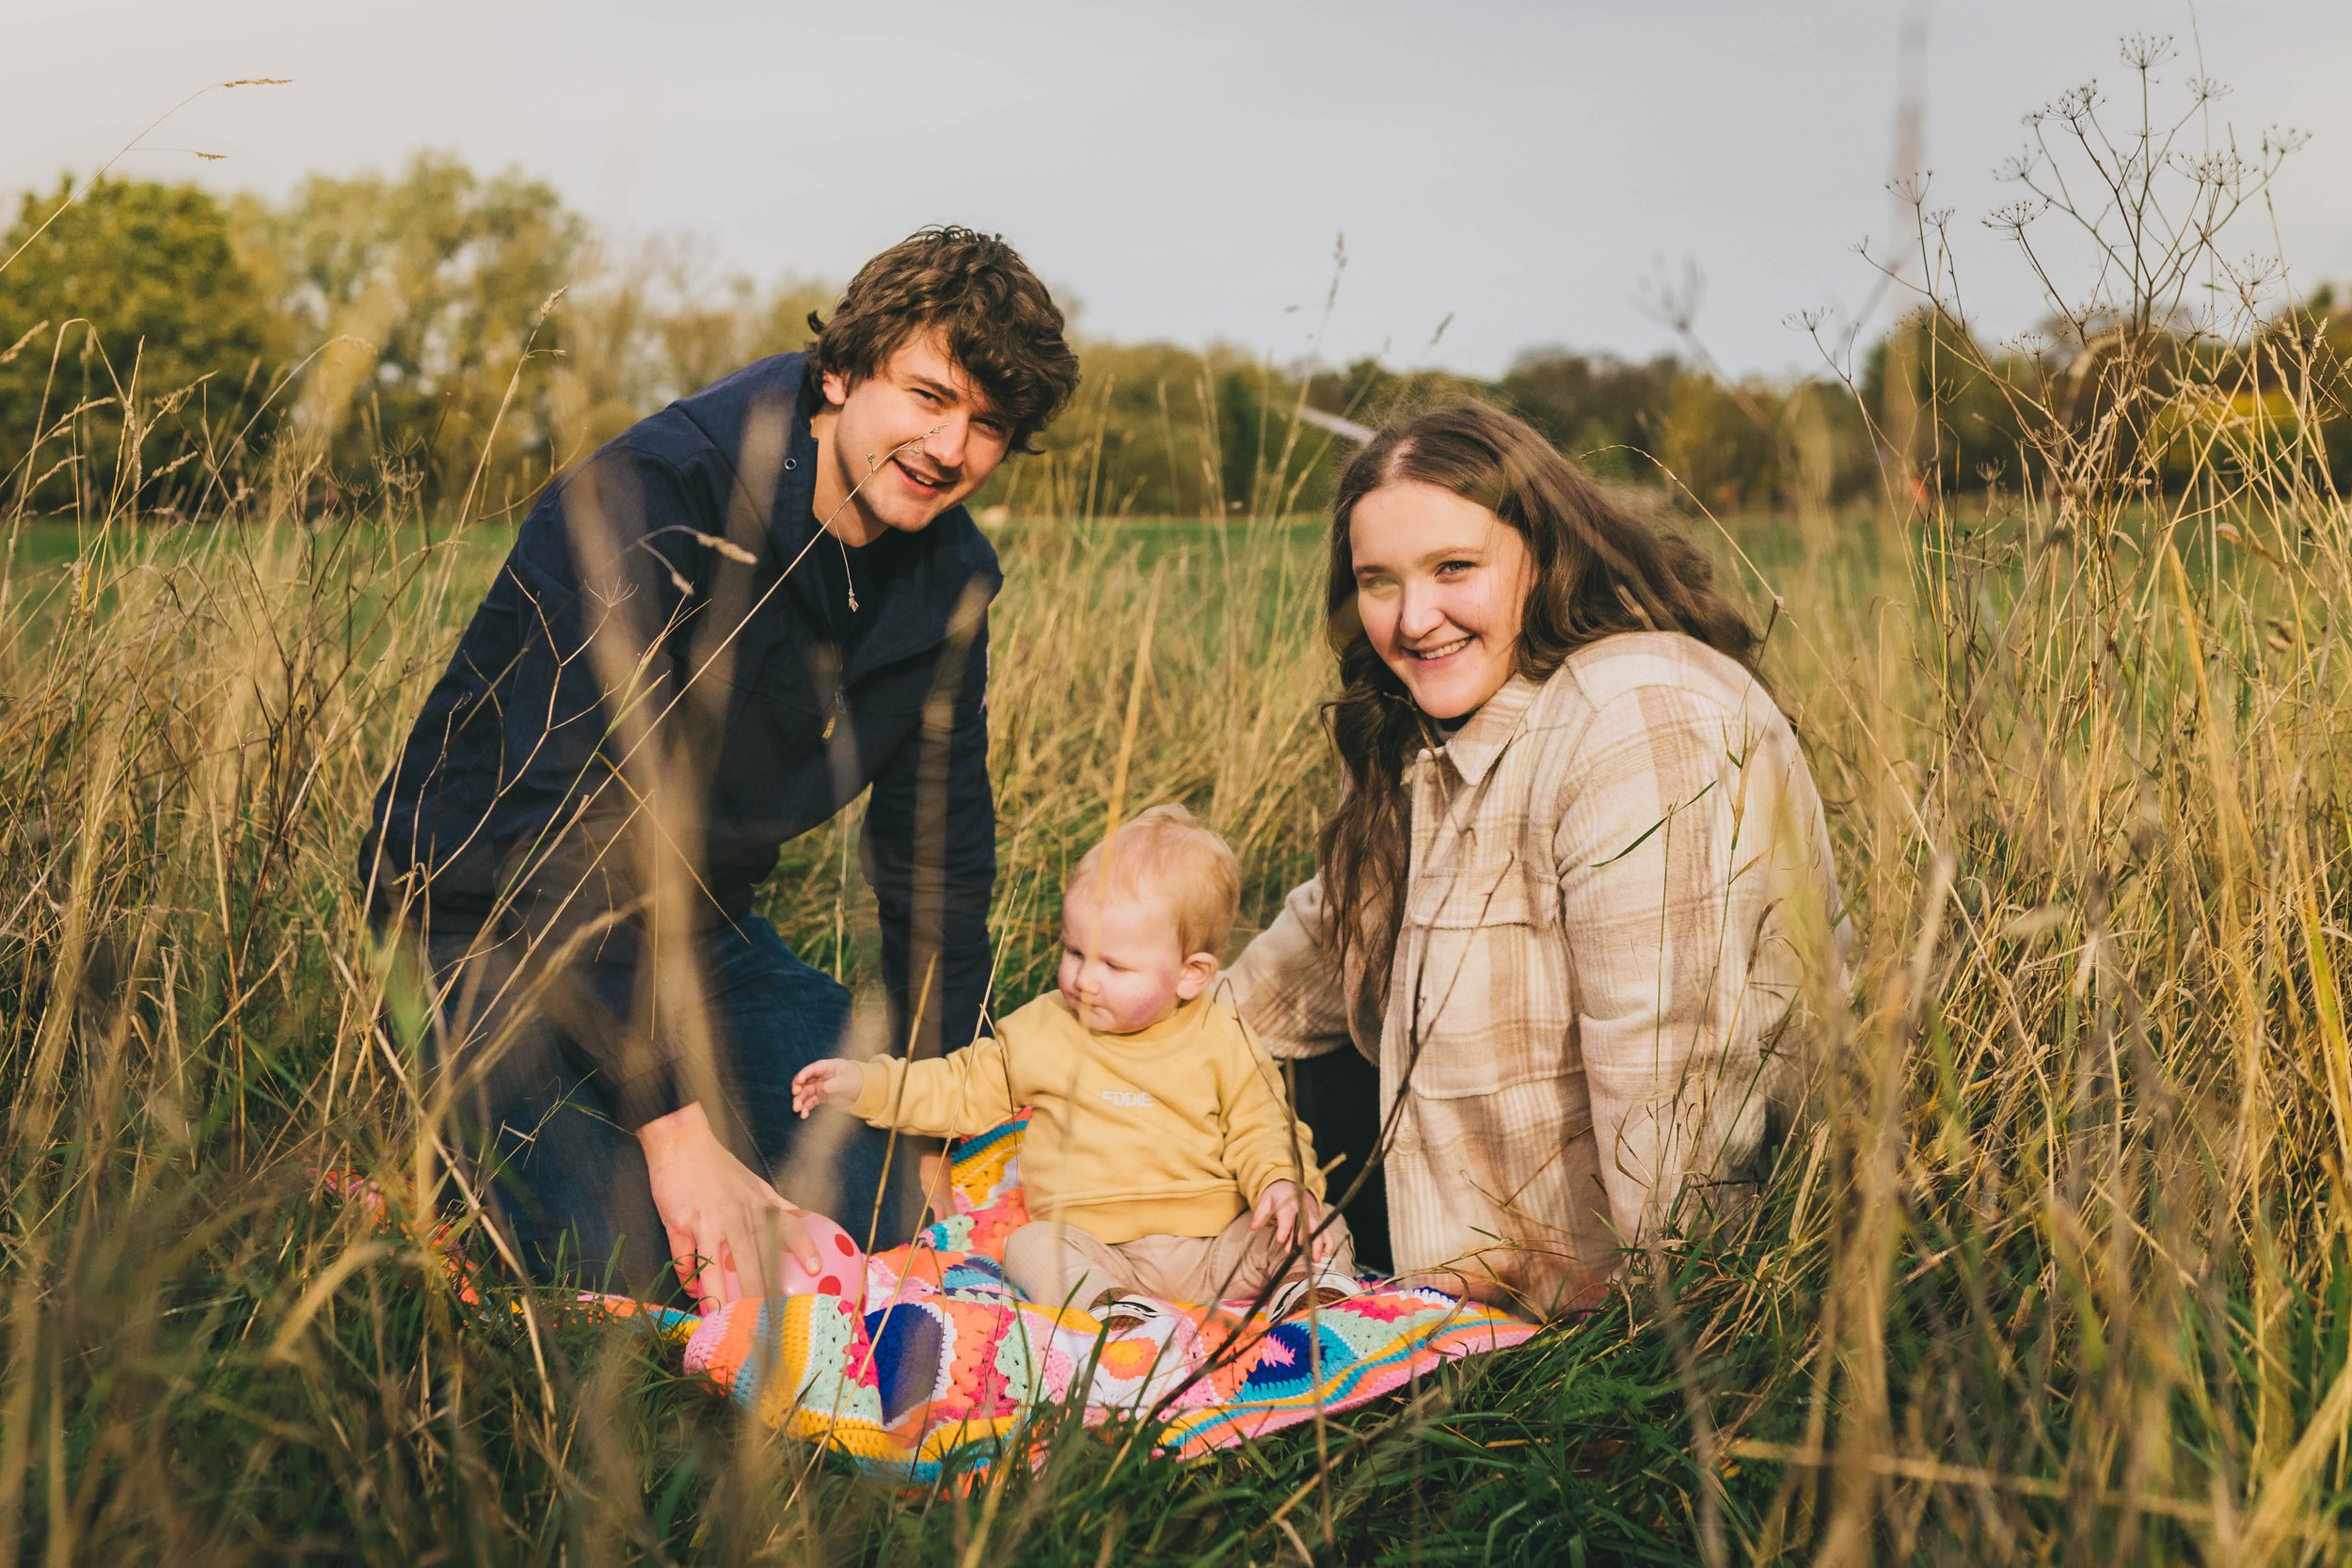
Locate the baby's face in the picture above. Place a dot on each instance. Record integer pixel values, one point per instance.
(1123, 969)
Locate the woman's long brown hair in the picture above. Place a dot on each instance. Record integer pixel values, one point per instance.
(1599, 570)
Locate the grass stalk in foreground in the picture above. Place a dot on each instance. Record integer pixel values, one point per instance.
(2056, 1272)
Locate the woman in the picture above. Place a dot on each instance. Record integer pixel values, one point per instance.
(1576, 899)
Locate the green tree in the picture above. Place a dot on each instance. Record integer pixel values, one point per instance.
(1369, 392)
(2325, 327)
(1720, 443)
(1941, 405)
(1137, 442)
(652, 327)
(136, 300)
(422, 294)
(1162, 431)
(1603, 411)
(1264, 454)
(1826, 457)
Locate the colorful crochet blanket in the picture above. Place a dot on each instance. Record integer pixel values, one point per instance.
(940, 1362)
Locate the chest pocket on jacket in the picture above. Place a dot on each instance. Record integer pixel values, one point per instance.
(1489, 1001)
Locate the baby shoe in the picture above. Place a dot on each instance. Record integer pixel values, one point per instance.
(1118, 1314)
(1324, 1288)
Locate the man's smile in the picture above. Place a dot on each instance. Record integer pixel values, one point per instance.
(918, 482)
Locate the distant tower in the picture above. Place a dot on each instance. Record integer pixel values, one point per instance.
(1908, 440)
(1911, 93)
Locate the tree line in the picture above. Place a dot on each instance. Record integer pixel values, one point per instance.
(457, 337)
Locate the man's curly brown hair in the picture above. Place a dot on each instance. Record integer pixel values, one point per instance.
(974, 289)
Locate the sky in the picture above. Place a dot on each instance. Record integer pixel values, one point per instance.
(1500, 175)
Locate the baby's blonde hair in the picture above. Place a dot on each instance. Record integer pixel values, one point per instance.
(1166, 852)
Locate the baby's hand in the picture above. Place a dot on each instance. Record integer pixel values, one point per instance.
(831, 1081)
(1291, 1212)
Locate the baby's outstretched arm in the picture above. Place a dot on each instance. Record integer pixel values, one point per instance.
(954, 1096)
(831, 1081)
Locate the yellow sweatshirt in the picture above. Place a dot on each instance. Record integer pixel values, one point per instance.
(1172, 1130)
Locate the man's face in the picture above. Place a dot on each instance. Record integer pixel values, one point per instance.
(903, 445)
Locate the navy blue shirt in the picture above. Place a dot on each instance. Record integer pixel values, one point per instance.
(648, 704)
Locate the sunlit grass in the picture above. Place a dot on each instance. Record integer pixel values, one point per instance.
(2055, 1273)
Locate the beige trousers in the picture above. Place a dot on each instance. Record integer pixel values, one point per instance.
(1061, 1264)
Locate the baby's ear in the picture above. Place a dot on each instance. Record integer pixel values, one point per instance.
(1200, 969)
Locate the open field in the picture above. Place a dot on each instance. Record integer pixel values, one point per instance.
(2057, 1275)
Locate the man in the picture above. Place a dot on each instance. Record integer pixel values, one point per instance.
(708, 639)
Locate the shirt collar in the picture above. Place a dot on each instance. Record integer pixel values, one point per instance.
(1480, 741)
(792, 525)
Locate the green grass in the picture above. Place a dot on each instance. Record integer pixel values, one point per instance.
(2052, 1275)
(165, 1250)
(2061, 1335)
(2053, 1271)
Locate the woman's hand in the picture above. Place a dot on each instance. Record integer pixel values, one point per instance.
(831, 1082)
(1292, 1211)
(729, 1231)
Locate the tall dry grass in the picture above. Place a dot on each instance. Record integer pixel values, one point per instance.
(2055, 1275)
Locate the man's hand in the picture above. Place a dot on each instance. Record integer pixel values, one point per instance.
(729, 1231)
(1292, 1211)
(831, 1082)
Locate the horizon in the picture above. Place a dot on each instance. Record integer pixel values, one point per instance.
(1448, 263)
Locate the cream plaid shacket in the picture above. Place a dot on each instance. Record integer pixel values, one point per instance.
(1620, 922)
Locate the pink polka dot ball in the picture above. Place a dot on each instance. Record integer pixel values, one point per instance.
(840, 1265)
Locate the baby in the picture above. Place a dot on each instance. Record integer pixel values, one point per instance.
(1161, 1160)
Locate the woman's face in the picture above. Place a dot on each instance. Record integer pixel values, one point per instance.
(1441, 584)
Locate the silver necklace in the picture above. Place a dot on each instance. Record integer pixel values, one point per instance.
(846, 580)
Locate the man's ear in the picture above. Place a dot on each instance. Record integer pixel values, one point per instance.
(837, 388)
(1200, 969)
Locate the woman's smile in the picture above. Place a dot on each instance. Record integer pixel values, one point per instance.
(1442, 586)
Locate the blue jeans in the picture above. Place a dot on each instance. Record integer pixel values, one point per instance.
(568, 1184)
